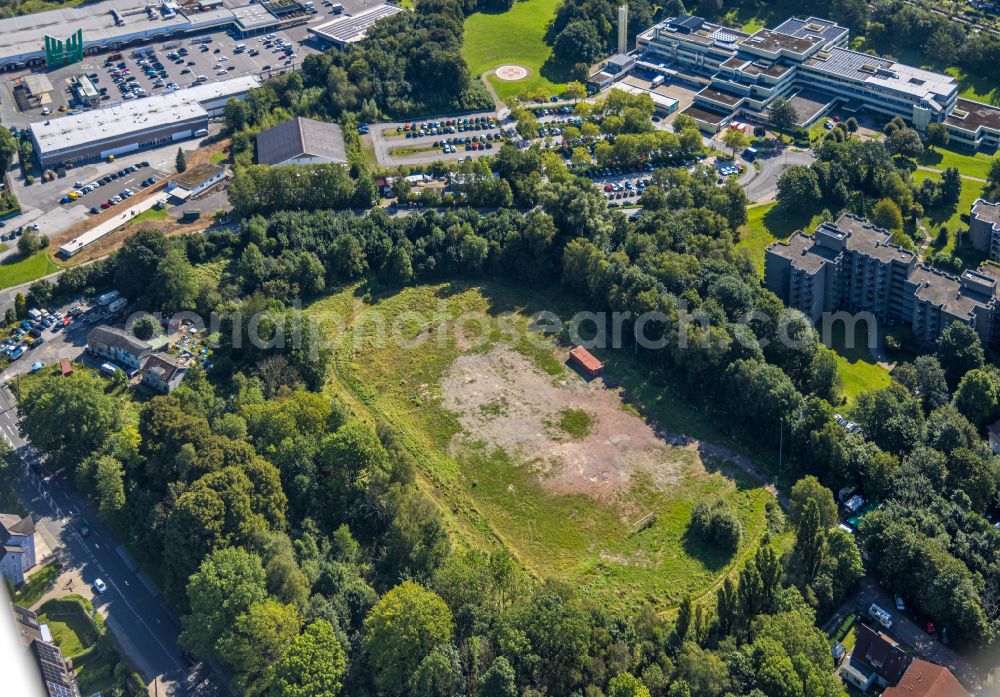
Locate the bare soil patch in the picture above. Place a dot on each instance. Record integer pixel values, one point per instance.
(504, 401)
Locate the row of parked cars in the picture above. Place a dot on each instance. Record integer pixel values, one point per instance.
(546, 111)
(433, 128)
(82, 189)
(28, 334)
(476, 142)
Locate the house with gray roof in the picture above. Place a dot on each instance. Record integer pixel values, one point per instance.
(301, 141)
(118, 345)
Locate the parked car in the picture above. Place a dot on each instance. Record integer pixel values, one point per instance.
(100, 586)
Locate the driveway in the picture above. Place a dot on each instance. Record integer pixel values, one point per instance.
(905, 631)
(761, 182)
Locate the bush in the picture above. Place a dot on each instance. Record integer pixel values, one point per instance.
(718, 525)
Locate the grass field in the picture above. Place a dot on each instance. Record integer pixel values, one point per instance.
(15, 270)
(513, 37)
(491, 494)
(767, 223)
(969, 164)
(857, 367)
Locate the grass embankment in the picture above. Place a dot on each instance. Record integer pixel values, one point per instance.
(15, 269)
(515, 37)
(490, 496)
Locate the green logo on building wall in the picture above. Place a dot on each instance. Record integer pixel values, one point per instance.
(59, 52)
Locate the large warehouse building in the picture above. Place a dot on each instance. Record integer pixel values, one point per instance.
(134, 125)
(114, 24)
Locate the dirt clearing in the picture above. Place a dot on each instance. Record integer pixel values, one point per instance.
(504, 401)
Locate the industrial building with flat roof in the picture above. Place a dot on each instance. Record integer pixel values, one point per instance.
(134, 125)
(347, 30)
(740, 74)
(853, 266)
(113, 24)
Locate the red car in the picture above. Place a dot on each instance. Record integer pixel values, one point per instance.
(106, 205)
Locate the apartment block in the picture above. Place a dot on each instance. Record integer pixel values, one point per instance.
(808, 62)
(853, 266)
(984, 228)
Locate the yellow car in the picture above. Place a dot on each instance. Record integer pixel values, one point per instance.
(73, 195)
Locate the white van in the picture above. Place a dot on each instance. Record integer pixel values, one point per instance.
(880, 615)
(201, 78)
(240, 48)
(201, 133)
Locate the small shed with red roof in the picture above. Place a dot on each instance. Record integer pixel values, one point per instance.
(584, 360)
(65, 367)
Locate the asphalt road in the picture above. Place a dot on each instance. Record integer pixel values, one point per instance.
(135, 612)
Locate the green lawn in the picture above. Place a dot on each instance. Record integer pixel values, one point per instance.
(969, 164)
(151, 215)
(951, 218)
(38, 584)
(976, 88)
(857, 367)
(492, 497)
(513, 37)
(770, 222)
(15, 270)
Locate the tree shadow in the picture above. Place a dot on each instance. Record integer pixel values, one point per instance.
(556, 71)
(713, 559)
(781, 221)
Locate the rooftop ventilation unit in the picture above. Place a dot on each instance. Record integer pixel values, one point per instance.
(822, 55)
(813, 27)
(867, 68)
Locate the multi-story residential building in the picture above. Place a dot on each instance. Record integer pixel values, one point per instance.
(984, 228)
(853, 266)
(808, 62)
(118, 345)
(17, 547)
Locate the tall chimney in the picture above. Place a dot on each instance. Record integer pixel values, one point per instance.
(623, 29)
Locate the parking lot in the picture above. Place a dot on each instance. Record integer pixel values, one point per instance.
(218, 60)
(41, 201)
(114, 188)
(62, 336)
(423, 142)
